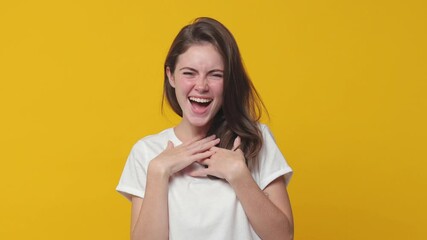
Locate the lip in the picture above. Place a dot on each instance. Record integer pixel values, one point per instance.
(202, 97)
(199, 111)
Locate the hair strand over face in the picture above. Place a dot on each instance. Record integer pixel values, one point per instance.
(242, 107)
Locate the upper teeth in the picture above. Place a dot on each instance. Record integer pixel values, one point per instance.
(200, 100)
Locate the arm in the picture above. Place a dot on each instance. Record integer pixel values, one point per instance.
(268, 211)
(149, 217)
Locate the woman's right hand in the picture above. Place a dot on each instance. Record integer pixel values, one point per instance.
(174, 159)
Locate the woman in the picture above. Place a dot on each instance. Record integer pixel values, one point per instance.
(218, 174)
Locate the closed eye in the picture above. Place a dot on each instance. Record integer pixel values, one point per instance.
(188, 73)
(217, 75)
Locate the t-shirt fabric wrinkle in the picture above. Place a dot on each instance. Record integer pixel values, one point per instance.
(201, 208)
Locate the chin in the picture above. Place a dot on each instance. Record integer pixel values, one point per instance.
(200, 122)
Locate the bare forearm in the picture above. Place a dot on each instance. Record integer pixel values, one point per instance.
(268, 221)
(153, 220)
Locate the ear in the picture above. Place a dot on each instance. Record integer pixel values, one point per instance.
(170, 77)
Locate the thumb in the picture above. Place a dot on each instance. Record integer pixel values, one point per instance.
(200, 172)
(170, 145)
(239, 151)
(236, 143)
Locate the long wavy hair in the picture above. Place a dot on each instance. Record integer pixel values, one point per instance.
(242, 106)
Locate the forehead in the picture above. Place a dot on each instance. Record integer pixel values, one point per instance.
(203, 55)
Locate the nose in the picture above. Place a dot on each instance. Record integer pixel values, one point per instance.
(202, 84)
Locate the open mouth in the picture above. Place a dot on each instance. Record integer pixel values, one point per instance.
(200, 104)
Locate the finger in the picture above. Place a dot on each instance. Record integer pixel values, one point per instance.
(201, 157)
(201, 147)
(200, 163)
(205, 162)
(197, 158)
(236, 143)
(213, 177)
(170, 145)
(218, 149)
(212, 143)
(201, 172)
(215, 149)
(205, 140)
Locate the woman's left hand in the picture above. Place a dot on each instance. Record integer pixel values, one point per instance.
(224, 163)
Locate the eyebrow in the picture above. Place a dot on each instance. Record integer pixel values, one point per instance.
(187, 68)
(192, 69)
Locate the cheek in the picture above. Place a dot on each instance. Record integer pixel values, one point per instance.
(186, 84)
(182, 87)
(217, 88)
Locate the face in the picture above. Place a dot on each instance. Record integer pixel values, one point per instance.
(198, 83)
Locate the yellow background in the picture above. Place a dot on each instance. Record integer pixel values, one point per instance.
(344, 81)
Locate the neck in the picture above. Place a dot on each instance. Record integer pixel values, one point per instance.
(186, 132)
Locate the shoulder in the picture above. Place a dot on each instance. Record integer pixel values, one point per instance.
(267, 137)
(154, 141)
(158, 137)
(265, 131)
(263, 127)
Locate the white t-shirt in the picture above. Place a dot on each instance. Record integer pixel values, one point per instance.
(201, 208)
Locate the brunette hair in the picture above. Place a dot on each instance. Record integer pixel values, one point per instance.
(242, 107)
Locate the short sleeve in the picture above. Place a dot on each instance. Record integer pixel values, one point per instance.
(272, 163)
(134, 175)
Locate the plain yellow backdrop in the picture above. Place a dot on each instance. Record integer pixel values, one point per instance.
(345, 83)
